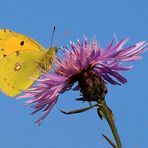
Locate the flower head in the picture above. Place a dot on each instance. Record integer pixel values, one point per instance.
(89, 65)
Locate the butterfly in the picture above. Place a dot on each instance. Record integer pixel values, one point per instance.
(22, 61)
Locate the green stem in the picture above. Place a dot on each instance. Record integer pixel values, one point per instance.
(107, 114)
(109, 141)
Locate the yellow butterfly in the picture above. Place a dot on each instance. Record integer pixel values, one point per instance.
(21, 59)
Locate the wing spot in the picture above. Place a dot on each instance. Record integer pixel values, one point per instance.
(4, 55)
(17, 52)
(17, 67)
(5, 30)
(2, 49)
(22, 43)
(13, 87)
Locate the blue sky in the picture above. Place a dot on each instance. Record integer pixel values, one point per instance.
(129, 102)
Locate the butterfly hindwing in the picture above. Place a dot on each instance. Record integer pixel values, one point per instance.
(19, 70)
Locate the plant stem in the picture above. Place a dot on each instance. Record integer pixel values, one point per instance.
(109, 141)
(105, 111)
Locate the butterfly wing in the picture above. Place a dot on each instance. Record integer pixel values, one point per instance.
(19, 58)
(19, 70)
(11, 41)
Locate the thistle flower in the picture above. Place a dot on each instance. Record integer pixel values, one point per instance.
(87, 64)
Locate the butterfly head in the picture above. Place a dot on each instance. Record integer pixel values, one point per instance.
(49, 59)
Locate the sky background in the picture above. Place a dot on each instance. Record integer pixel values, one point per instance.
(128, 102)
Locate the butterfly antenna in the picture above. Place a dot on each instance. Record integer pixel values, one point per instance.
(53, 31)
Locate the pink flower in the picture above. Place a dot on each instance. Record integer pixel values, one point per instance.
(90, 66)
